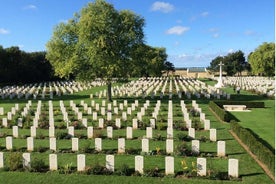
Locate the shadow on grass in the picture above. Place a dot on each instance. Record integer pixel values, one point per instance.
(251, 174)
(237, 153)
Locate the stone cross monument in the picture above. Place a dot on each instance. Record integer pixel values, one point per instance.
(220, 83)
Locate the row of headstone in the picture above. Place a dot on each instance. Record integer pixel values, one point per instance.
(195, 147)
(233, 164)
(156, 87)
(263, 85)
(40, 90)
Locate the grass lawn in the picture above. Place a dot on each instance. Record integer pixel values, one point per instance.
(249, 171)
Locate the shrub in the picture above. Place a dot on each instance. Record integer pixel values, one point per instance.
(62, 135)
(15, 161)
(38, 165)
(155, 172)
(183, 137)
(124, 170)
(183, 150)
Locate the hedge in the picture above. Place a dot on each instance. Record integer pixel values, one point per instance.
(248, 104)
(254, 143)
(217, 107)
(221, 113)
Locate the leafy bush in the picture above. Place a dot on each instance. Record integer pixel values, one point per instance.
(38, 165)
(15, 161)
(183, 137)
(124, 170)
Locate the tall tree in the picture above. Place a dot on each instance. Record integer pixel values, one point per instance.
(262, 60)
(169, 67)
(234, 63)
(214, 65)
(97, 43)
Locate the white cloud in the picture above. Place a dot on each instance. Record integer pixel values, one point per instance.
(204, 14)
(249, 32)
(178, 30)
(162, 6)
(4, 31)
(215, 35)
(30, 7)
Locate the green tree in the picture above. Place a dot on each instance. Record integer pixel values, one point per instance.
(234, 63)
(169, 67)
(214, 65)
(262, 60)
(97, 43)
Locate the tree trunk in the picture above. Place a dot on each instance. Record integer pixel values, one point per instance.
(109, 95)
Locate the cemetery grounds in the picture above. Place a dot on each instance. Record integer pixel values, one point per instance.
(261, 121)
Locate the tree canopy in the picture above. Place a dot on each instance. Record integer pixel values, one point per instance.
(262, 60)
(233, 63)
(101, 42)
(18, 66)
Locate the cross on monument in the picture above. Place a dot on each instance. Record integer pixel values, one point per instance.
(220, 83)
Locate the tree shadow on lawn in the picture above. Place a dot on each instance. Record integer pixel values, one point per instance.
(237, 153)
(251, 174)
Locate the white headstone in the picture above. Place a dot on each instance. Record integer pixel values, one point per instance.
(139, 164)
(81, 162)
(33, 131)
(9, 142)
(188, 123)
(1, 159)
(213, 134)
(110, 163)
(84, 122)
(53, 164)
(233, 168)
(134, 124)
(169, 165)
(170, 133)
(71, 131)
(51, 131)
(95, 116)
(191, 133)
(221, 148)
(124, 116)
(53, 144)
(4, 122)
(15, 131)
(101, 123)
(149, 132)
(121, 145)
(207, 124)
(89, 132)
(129, 133)
(98, 144)
(109, 130)
(169, 146)
(152, 123)
(1, 111)
(75, 144)
(26, 160)
(201, 166)
(118, 122)
(145, 145)
(195, 146)
(30, 143)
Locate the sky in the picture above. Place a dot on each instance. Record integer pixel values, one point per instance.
(193, 32)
